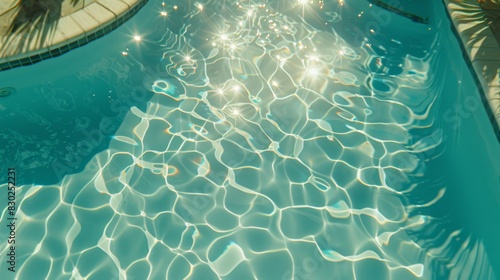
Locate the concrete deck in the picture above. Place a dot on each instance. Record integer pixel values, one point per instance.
(478, 25)
(34, 30)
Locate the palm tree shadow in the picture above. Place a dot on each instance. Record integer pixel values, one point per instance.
(33, 25)
(480, 23)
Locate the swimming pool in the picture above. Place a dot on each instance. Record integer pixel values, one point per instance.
(245, 139)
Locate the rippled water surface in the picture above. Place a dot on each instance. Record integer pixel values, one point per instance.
(256, 140)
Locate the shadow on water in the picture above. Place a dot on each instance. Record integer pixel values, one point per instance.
(461, 229)
(34, 23)
(53, 128)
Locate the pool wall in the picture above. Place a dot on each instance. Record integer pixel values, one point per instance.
(466, 168)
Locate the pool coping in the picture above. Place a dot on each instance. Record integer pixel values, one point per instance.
(75, 30)
(481, 50)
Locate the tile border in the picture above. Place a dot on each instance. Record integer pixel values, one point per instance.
(471, 27)
(87, 36)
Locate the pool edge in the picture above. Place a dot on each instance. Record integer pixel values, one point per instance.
(61, 43)
(479, 45)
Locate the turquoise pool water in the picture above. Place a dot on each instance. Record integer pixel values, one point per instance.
(254, 140)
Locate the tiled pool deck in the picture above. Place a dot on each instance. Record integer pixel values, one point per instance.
(34, 30)
(478, 25)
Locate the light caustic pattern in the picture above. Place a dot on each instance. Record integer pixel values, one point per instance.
(275, 151)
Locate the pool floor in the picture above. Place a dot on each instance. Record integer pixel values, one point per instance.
(254, 140)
